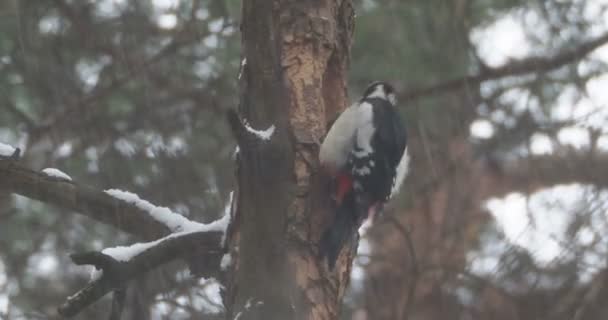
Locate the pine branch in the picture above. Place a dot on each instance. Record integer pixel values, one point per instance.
(515, 68)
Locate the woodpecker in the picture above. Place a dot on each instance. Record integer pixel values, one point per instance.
(365, 154)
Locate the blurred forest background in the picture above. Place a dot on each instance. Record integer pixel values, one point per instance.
(503, 216)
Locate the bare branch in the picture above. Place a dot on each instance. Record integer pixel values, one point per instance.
(531, 173)
(497, 177)
(515, 68)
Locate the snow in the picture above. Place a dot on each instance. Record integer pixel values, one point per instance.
(248, 306)
(225, 220)
(226, 261)
(262, 134)
(174, 221)
(126, 253)
(6, 150)
(248, 303)
(56, 173)
(243, 64)
(208, 296)
(177, 223)
(402, 170)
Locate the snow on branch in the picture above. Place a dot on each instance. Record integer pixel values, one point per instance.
(126, 253)
(6, 150)
(56, 173)
(243, 64)
(242, 130)
(117, 265)
(200, 245)
(248, 305)
(262, 134)
(174, 221)
(127, 263)
(82, 199)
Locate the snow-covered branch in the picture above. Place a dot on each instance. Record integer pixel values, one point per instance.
(177, 237)
(116, 266)
(56, 173)
(244, 132)
(121, 264)
(262, 134)
(70, 195)
(174, 221)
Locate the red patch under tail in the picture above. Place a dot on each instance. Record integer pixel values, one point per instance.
(345, 184)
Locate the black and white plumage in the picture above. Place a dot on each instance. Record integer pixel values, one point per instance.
(365, 152)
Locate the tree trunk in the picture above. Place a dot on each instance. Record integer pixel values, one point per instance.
(294, 78)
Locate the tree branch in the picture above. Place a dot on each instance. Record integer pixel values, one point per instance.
(83, 199)
(201, 249)
(529, 174)
(117, 273)
(515, 68)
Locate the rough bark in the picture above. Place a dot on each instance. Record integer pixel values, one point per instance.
(295, 79)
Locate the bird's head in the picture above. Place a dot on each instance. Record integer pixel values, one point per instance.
(382, 90)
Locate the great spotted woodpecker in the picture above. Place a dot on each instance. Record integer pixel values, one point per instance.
(365, 153)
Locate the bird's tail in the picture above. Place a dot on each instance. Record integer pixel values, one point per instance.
(343, 227)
